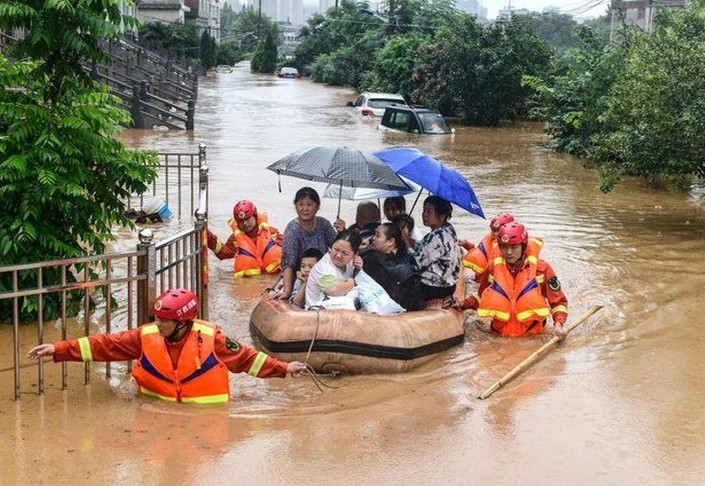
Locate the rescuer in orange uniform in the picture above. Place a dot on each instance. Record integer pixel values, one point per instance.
(255, 246)
(179, 358)
(520, 290)
(478, 257)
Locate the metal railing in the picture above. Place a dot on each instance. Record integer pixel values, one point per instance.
(114, 291)
(178, 182)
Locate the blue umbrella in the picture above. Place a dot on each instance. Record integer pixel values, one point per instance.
(432, 175)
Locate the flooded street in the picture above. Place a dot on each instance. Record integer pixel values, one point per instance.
(620, 402)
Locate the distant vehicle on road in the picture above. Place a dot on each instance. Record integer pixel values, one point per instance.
(374, 104)
(289, 72)
(414, 119)
(224, 68)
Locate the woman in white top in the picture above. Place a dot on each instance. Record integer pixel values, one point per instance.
(333, 274)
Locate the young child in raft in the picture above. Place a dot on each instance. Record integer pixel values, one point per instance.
(308, 259)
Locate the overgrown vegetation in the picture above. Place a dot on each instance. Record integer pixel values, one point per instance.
(428, 52)
(637, 108)
(63, 175)
(182, 40)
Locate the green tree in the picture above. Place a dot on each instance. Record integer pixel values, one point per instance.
(475, 70)
(63, 176)
(246, 28)
(573, 97)
(395, 64)
(349, 28)
(600, 27)
(208, 54)
(180, 39)
(656, 112)
(558, 30)
(264, 59)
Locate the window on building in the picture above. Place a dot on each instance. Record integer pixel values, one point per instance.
(641, 13)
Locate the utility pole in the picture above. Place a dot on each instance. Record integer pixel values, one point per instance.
(259, 20)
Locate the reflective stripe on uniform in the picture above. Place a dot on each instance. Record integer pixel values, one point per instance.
(150, 393)
(532, 259)
(541, 312)
(208, 330)
(540, 279)
(85, 347)
(559, 308)
(248, 273)
(270, 268)
(503, 316)
(537, 241)
(257, 365)
(475, 268)
(149, 329)
(207, 399)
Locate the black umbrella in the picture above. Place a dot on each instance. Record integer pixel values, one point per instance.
(339, 165)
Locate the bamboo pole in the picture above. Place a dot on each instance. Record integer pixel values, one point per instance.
(536, 355)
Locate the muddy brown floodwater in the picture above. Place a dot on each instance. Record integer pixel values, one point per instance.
(620, 402)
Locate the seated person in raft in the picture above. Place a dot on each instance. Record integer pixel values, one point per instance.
(389, 263)
(367, 218)
(395, 207)
(308, 260)
(255, 246)
(333, 275)
(408, 229)
(438, 254)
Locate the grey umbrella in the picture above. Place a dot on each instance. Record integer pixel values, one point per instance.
(339, 165)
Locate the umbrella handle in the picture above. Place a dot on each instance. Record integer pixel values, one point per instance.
(279, 182)
(415, 201)
(340, 196)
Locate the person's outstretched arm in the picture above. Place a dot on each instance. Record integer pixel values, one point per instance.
(121, 346)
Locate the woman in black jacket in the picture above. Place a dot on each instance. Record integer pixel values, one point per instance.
(389, 263)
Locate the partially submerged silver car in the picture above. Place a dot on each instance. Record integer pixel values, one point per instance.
(414, 119)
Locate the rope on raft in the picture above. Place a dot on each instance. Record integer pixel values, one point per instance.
(316, 377)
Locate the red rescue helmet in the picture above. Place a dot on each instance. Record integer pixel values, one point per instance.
(512, 234)
(499, 220)
(244, 210)
(177, 305)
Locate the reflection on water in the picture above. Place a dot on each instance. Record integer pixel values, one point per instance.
(621, 401)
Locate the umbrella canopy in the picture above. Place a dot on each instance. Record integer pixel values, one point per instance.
(334, 191)
(432, 175)
(339, 165)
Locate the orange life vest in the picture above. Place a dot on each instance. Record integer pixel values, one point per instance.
(199, 377)
(515, 303)
(261, 255)
(478, 258)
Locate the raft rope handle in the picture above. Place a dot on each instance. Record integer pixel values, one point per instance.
(316, 377)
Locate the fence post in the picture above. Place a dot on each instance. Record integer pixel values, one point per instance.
(147, 266)
(144, 90)
(202, 225)
(190, 114)
(202, 163)
(137, 107)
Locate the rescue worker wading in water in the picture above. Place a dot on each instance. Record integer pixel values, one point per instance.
(519, 290)
(255, 246)
(479, 258)
(179, 358)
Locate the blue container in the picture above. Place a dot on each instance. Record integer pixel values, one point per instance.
(157, 205)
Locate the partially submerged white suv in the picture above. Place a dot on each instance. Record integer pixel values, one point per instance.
(374, 104)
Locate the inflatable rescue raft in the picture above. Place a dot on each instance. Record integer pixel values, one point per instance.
(354, 342)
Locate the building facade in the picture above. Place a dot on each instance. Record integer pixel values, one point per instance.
(472, 7)
(639, 14)
(204, 14)
(167, 11)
